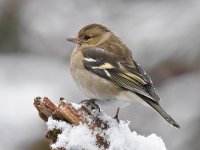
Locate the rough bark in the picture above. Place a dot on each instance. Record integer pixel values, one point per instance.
(65, 111)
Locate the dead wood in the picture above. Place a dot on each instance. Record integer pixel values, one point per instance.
(88, 113)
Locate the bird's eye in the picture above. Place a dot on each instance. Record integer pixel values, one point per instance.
(86, 37)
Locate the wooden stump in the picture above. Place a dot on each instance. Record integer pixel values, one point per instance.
(88, 113)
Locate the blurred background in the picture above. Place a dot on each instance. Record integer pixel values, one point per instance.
(164, 36)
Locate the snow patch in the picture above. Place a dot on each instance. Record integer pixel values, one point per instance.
(72, 137)
(118, 136)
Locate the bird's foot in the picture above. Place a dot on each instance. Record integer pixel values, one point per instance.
(116, 117)
(90, 103)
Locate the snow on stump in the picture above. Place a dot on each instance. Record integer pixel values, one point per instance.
(86, 127)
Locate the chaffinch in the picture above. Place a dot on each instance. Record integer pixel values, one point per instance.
(104, 69)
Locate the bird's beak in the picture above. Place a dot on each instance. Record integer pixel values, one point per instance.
(74, 40)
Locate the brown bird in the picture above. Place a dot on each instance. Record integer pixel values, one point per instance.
(104, 69)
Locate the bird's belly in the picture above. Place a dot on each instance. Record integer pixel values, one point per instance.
(93, 86)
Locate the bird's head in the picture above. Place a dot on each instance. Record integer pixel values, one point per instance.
(91, 35)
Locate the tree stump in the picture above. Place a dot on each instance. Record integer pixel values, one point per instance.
(85, 126)
(88, 112)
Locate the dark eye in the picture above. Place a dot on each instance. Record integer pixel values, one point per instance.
(86, 37)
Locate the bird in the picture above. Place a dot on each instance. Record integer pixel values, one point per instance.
(104, 69)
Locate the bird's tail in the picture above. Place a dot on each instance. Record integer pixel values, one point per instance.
(160, 110)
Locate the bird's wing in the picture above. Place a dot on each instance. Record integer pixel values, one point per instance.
(129, 76)
(134, 68)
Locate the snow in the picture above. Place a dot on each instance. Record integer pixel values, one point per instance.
(119, 136)
(72, 137)
(76, 106)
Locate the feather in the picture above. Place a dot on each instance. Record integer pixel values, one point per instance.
(127, 75)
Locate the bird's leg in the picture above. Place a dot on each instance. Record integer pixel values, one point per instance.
(117, 115)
